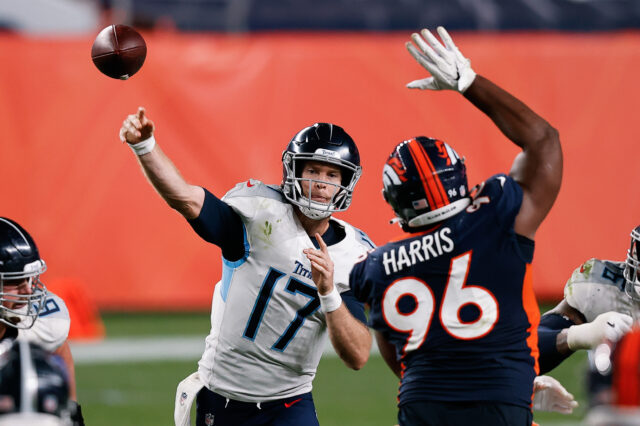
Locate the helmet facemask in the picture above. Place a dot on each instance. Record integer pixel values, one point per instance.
(294, 182)
(632, 267)
(21, 310)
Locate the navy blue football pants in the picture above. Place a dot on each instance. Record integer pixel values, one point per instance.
(216, 410)
(481, 413)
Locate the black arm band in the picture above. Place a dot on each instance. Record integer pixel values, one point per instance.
(550, 326)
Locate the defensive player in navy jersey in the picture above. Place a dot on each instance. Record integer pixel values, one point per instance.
(451, 300)
(268, 319)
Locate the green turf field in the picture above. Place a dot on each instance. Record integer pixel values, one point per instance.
(140, 394)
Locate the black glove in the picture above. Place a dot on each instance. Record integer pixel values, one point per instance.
(76, 413)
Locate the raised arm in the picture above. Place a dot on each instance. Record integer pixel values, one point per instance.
(187, 199)
(538, 168)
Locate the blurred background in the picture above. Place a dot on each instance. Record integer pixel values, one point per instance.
(228, 83)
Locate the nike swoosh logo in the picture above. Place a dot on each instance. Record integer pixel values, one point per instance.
(289, 404)
(610, 325)
(249, 184)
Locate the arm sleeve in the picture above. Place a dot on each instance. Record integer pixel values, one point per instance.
(219, 224)
(356, 308)
(550, 326)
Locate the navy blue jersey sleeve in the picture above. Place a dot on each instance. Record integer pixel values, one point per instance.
(356, 308)
(356, 282)
(507, 194)
(219, 224)
(550, 326)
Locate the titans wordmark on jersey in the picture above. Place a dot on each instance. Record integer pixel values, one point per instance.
(457, 303)
(267, 331)
(596, 287)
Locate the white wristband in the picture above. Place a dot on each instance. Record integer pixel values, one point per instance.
(144, 147)
(330, 302)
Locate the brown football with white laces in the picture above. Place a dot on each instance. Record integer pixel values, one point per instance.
(119, 51)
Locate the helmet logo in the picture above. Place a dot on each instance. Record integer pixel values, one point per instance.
(32, 267)
(443, 152)
(327, 153)
(395, 169)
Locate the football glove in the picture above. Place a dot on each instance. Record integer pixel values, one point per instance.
(449, 69)
(609, 326)
(76, 414)
(550, 395)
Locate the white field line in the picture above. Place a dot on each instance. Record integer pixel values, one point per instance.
(132, 349)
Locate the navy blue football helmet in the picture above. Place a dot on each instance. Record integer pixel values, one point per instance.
(632, 266)
(328, 143)
(34, 386)
(19, 261)
(425, 181)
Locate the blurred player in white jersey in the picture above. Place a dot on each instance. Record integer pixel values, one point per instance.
(600, 302)
(268, 318)
(27, 311)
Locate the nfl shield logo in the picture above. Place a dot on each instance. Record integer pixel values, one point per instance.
(208, 419)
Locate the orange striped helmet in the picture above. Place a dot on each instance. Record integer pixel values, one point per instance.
(425, 181)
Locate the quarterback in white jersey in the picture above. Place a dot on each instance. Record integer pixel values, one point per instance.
(268, 318)
(600, 302)
(27, 311)
(266, 321)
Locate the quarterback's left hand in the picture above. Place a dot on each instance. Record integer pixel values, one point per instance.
(450, 70)
(321, 266)
(550, 395)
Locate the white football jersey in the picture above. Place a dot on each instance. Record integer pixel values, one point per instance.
(597, 287)
(267, 329)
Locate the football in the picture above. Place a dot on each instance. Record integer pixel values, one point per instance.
(119, 51)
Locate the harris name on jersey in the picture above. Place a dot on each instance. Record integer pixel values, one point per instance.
(414, 251)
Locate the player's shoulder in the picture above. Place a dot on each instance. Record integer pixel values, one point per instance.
(499, 184)
(497, 198)
(54, 306)
(598, 271)
(597, 286)
(254, 188)
(355, 235)
(52, 326)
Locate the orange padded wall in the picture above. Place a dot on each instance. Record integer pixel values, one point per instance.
(226, 106)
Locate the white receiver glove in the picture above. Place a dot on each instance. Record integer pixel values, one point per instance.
(550, 395)
(609, 326)
(450, 70)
